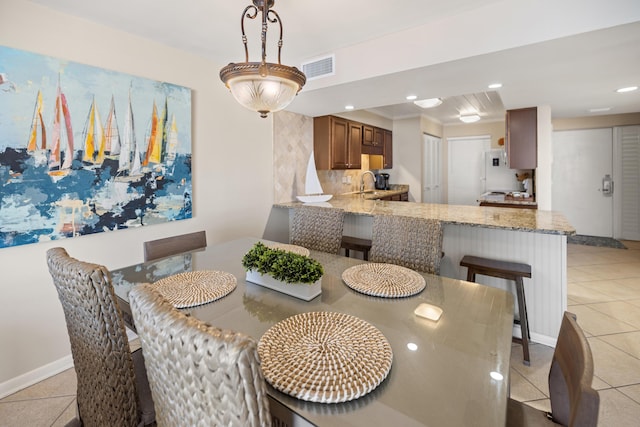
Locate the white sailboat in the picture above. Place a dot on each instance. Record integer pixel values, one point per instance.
(312, 187)
(129, 167)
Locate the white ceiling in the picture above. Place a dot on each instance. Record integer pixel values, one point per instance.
(571, 55)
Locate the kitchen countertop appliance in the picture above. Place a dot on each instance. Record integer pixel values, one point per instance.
(382, 181)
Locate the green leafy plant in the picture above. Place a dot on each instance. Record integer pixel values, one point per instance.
(282, 265)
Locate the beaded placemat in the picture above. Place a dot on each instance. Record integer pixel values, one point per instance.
(193, 288)
(384, 280)
(300, 250)
(324, 357)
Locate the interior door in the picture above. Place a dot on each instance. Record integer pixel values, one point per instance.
(581, 159)
(466, 169)
(432, 170)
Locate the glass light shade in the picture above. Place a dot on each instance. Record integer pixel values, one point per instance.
(470, 118)
(428, 103)
(264, 88)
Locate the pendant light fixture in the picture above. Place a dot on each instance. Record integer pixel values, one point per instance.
(262, 86)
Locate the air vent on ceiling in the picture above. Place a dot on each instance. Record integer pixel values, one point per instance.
(319, 67)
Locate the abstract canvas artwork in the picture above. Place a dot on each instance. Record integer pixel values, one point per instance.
(85, 150)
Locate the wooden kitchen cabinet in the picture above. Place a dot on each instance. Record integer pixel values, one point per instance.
(521, 138)
(337, 143)
(367, 135)
(387, 150)
(378, 137)
(402, 197)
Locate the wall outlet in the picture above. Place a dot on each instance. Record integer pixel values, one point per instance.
(348, 179)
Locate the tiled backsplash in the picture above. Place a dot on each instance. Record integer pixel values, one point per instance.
(292, 145)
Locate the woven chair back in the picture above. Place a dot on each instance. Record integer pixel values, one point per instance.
(106, 392)
(415, 243)
(160, 248)
(317, 228)
(199, 375)
(573, 401)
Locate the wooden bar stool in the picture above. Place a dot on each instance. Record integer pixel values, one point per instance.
(356, 244)
(506, 270)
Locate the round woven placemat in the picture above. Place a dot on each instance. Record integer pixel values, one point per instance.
(324, 357)
(289, 248)
(384, 280)
(193, 288)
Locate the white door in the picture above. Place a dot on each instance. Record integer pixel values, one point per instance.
(432, 170)
(581, 159)
(466, 169)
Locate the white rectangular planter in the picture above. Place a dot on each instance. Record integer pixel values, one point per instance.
(303, 291)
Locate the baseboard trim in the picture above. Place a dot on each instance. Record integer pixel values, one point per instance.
(536, 338)
(30, 378)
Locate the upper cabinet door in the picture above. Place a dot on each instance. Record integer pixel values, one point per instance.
(355, 145)
(337, 143)
(522, 138)
(367, 135)
(388, 149)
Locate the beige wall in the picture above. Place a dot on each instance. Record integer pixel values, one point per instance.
(367, 118)
(494, 129)
(232, 179)
(407, 156)
(594, 122)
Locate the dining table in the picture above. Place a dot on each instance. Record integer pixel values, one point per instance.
(453, 371)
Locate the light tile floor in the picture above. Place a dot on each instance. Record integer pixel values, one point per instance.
(603, 291)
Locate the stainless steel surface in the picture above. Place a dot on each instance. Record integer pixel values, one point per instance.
(362, 179)
(446, 380)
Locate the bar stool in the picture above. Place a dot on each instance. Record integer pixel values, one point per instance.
(506, 270)
(356, 244)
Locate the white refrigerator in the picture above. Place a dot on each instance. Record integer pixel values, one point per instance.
(497, 175)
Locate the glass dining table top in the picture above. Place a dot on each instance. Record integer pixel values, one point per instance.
(450, 372)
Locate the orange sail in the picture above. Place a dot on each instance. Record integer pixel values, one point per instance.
(111, 133)
(154, 141)
(94, 140)
(37, 125)
(61, 155)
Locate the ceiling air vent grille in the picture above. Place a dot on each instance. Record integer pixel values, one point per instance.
(319, 67)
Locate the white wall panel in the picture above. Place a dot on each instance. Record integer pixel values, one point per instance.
(545, 292)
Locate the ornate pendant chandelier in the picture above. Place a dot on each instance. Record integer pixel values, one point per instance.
(262, 86)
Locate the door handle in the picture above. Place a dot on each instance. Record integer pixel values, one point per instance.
(607, 185)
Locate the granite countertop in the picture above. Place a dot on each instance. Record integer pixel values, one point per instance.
(377, 194)
(508, 199)
(531, 220)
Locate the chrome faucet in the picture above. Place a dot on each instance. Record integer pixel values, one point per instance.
(362, 179)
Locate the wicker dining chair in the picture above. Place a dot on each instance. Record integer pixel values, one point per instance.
(199, 375)
(112, 383)
(414, 243)
(160, 248)
(573, 401)
(317, 228)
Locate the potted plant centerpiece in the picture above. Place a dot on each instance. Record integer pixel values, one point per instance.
(283, 271)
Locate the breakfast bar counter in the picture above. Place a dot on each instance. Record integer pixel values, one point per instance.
(536, 221)
(529, 236)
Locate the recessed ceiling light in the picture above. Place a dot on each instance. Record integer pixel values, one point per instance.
(627, 89)
(411, 97)
(599, 110)
(469, 118)
(428, 103)
(495, 85)
(349, 107)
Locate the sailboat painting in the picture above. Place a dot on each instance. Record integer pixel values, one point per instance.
(312, 188)
(86, 150)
